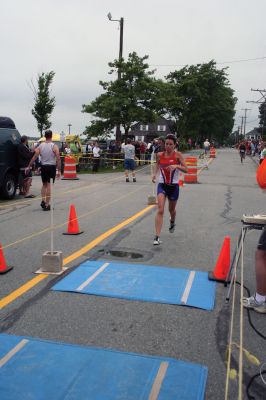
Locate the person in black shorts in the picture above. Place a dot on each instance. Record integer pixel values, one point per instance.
(242, 151)
(50, 167)
(168, 163)
(258, 301)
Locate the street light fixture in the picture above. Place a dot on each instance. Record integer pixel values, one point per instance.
(121, 23)
(69, 126)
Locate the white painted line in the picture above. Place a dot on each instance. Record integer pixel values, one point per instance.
(188, 287)
(92, 277)
(12, 352)
(156, 387)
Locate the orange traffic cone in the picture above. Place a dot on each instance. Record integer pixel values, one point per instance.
(3, 267)
(223, 263)
(70, 170)
(73, 225)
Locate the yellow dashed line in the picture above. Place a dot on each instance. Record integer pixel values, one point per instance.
(30, 284)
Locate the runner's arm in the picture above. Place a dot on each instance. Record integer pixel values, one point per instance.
(182, 166)
(36, 155)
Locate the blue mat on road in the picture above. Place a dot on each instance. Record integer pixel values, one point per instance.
(141, 282)
(42, 370)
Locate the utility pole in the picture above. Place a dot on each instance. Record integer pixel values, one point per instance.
(121, 25)
(241, 127)
(245, 119)
(121, 44)
(261, 101)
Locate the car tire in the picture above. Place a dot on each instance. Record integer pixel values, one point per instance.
(9, 186)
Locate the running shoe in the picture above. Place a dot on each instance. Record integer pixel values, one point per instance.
(42, 204)
(156, 241)
(134, 180)
(127, 179)
(172, 226)
(47, 208)
(252, 303)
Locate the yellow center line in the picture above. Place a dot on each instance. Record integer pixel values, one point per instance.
(31, 283)
(35, 234)
(204, 166)
(60, 193)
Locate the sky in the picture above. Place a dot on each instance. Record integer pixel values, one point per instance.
(75, 39)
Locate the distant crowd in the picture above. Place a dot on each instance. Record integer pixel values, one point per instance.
(253, 148)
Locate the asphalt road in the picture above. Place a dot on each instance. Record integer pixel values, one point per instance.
(206, 213)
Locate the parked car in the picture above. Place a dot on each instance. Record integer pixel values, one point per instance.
(9, 170)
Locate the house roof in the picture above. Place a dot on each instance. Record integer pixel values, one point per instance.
(152, 126)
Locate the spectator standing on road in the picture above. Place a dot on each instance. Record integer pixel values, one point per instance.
(156, 147)
(169, 163)
(88, 148)
(24, 156)
(142, 152)
(206, 146)
(129, 163)
(152, 149)
(96, 157)
(262, 152)
(160, 145)
(137, 149)
(258, 301)
(252, 147)
(50, 167)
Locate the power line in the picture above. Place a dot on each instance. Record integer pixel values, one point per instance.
(220, 62)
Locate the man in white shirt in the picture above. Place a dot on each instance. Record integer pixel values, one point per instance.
(96, 157)
(50, 167)
(129, 151)
(206, 146)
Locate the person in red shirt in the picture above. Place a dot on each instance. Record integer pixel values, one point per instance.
(168, 162)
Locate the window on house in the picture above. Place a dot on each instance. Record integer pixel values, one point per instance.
(161, 128)
(144, 127)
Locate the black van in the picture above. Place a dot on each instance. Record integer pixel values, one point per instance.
(9, 170)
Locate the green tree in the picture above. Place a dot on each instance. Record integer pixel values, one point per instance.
(127, 100)
(201, 102)
(44, 104)
(262, 119)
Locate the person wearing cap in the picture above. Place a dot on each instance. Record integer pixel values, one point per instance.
(24, 156)
(50, 166)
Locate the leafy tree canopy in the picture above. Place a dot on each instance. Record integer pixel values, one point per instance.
(44, 104)
(198, 98)
(262, 119)
(127, 100)
(201, 102)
